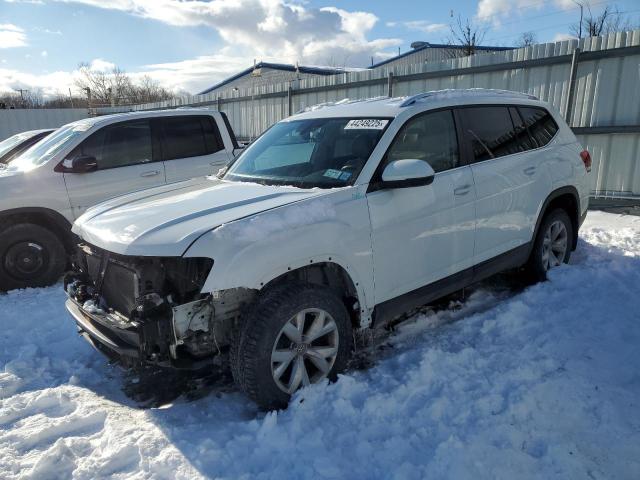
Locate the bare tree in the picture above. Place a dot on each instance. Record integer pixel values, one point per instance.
(115, 87)
(527, 39)
(466, 37)
(610, 19)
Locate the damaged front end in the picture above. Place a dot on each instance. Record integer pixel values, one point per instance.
(150, 310)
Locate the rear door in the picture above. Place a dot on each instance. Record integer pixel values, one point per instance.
(507, 176)
(426, 233)
(125, 158)
(191, 146)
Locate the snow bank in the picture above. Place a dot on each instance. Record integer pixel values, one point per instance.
(538, 384)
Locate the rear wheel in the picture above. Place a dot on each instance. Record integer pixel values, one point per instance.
(552, 246)
(294, 336)
(30, 256)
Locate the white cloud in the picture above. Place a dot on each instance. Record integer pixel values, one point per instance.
(196, 74)
(12, 36)
(44, 53)
(100, 65)
(494, 11)
(49, 84)
(559, 37)
(269, 30)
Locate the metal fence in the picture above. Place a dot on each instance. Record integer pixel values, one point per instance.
(595, 82)
(21, 120)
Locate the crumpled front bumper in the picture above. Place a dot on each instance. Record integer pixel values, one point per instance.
(103, 336)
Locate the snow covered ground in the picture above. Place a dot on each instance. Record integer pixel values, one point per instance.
(539, 383)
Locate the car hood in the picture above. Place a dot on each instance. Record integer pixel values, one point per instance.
(164, 221)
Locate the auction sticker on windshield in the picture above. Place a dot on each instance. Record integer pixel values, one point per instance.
(366, 123)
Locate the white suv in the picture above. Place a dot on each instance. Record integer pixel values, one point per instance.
(337, 219)
(47, 187)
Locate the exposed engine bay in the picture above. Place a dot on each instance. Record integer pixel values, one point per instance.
(152, 305)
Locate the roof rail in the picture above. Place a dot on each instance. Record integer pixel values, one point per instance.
(464, 92)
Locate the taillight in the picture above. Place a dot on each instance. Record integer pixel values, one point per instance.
(586, 159)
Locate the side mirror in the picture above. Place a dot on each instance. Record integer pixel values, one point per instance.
(407, 173)
(79, 164)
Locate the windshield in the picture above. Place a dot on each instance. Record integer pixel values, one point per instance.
(319, 152)
(45, 149)
(13, 141)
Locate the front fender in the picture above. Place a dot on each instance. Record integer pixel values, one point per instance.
(252, 251)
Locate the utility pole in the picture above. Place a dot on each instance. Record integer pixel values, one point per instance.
(581, 16)
(88, 90)
(22, 92)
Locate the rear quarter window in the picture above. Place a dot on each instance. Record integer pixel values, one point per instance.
(541, 125)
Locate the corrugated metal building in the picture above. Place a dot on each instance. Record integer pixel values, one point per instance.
(422, 52)
(265, 73)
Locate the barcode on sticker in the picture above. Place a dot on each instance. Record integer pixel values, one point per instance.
(366, 123)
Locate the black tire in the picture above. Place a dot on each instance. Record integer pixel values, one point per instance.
(535, 268)
(30, 256)
(258, 332)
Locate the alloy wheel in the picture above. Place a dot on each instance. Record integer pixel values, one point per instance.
(305, 350)
(554, 245)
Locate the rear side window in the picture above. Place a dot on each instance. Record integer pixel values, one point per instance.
(490, 132)
(524, 141)
(189, 136)
(118, 145)
(541, 125)
(430, 137)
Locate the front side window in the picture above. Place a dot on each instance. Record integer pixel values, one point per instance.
(540, 123)
(490, 132)
(320, 152)
(189, 136)
(430, 137)
(118, 145)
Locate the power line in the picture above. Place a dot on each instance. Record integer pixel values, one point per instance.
(555, 12)
(565, 24)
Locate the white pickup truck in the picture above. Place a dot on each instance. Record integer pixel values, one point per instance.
(83, 163)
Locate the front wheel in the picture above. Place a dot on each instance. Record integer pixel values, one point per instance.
(294, 336)
(30, 256)
(552, 246)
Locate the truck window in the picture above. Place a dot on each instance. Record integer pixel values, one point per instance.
(118, 145)
(189, 136)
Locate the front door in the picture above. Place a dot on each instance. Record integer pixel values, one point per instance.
(423, 234)
(124, 155)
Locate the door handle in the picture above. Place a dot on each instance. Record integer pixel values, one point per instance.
(462, 190)
(150, 173)
(529, 171)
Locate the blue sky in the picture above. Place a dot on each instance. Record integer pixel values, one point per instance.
(191, 45)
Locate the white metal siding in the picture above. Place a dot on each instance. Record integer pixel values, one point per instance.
(21, 120)
(607, 94)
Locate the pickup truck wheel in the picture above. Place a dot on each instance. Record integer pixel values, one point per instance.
(295, 335)
(30, 256)
(552, 246)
